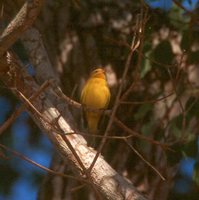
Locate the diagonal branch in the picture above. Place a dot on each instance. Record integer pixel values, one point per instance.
(19, 24)
(102, 177)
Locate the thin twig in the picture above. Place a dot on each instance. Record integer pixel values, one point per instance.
(147, 162)
(11, 119)
(116, 120)
(174, 83)
(131, 135)
(62, 135)
(135, 134)
(140, 49)
(147, 101)
(134, 45)
(2, 12)
(79, 187)
(181, 6)
(21, 156)
(58, 92)
(17, 112)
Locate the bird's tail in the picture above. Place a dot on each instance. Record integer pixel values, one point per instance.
(93, 120)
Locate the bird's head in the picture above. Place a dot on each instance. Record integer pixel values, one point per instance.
(98, 73)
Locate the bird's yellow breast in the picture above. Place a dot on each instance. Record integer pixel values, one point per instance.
(96, 93)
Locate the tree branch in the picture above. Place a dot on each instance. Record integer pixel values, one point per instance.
(105, 179)
(38, 56)
(19, 24)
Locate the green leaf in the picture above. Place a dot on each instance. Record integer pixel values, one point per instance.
(163, 57)
(185, 42)
(147, 128)
(145, 66)
(193, 107)
(163, 53)
(143, 111)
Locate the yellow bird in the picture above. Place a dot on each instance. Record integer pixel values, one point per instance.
(95, 95)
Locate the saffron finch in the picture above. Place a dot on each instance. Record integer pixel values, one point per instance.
(95, 95)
